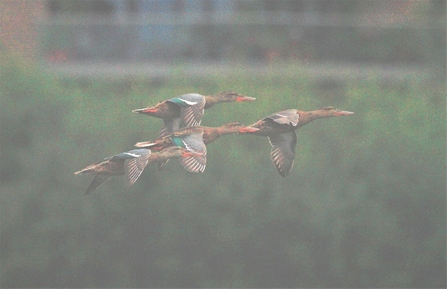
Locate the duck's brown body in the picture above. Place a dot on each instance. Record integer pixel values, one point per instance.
(280, 129)
(194, 138)
(292, 119)
(210, 134)
(188, 109)
(130, 163)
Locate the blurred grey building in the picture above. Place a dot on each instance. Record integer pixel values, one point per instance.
(170, 32)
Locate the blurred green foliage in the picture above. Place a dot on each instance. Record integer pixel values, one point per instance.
(364, 205)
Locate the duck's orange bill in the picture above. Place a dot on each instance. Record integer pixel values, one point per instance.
(343, 113)
(244, 98)
(145, 110)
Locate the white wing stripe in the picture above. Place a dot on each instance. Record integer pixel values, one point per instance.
(132, 155)
(188, 101)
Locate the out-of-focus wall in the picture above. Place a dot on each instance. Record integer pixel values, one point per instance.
(18, 26)
(65, 36)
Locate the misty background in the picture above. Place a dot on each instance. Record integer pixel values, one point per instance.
(364, 205)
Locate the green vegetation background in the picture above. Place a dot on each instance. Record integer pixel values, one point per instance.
(363, 207)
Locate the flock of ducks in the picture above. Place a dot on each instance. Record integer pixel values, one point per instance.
(184, 138)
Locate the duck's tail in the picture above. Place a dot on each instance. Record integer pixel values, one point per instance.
(88, 170)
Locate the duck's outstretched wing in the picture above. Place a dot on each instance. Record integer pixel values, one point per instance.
(194, 164)
(96, 182)
(190, 138)
(194, 142)
(192, 115)
(283, 151)
(135, 164)
(192, 108)
(170, 125)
